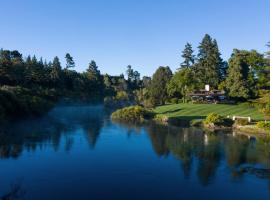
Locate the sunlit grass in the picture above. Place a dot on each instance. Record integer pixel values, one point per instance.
(189, 110)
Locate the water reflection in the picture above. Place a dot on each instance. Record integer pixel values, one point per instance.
(194, 149)
(60, 124)
(205, 151)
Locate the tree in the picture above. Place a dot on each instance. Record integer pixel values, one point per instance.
(181, 83)
(268, 52)
(92, 71)
(146, 81)
(242, 72)
(188, 56)
(55, 70)
(69, 61)
(95, 84)
(129, 73)
(133, 78)
(157, 89)
(208, 68)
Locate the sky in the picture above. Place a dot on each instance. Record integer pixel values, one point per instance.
(145, 34)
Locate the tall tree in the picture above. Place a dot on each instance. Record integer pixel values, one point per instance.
(243, 73)
(188, 56)
(129, 73)
(181, 83)
(268, 52)
(157, 89)
(209, 62)
(69, 61)
(92, 70)
(55, 70)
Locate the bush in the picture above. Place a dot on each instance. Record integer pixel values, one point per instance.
(132, 114)
(263, 125)
(241, 122)
(213, 118)
(173, 100)
(217, 120)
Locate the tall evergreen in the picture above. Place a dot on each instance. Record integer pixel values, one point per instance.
(55, 70)
(157, 89)
(69, 61)
(92, 69)
(188, 56)
(209, 62)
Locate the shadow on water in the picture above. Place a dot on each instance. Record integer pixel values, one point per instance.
(58, 125)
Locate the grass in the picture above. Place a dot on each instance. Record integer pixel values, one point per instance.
(190, 111)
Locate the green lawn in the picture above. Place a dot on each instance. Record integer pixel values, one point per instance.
(199, 111)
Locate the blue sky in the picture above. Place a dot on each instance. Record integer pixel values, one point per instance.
(145, 34)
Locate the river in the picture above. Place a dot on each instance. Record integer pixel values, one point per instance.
(77, 152)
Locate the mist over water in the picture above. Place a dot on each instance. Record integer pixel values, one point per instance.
(77, 152)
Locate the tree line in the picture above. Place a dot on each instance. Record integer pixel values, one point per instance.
(31, 85)
(245, 76)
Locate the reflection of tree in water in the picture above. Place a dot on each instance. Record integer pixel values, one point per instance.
(59, 125)
(92, 131)
(182, 149)
(158, 134)
(209, 157)
(208, 148)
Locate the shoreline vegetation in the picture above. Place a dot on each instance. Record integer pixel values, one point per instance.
(132, 114)
(173, 115)
(204, 91)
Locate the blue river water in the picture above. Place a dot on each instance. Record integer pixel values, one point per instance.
(77, 152)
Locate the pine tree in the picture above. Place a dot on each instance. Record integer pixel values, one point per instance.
(130, 73)
(188, 56)
(69, 61)
(209, 62)
(55, 70)
(92, 71)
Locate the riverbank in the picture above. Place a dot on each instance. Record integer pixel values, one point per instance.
(196, 115)
(189, 111)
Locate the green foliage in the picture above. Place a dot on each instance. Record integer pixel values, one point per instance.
(173, 100)
(132, 114)
(243, 67)
(217, 120)
(264, 102)
(157, 88)
(241, 122)
(265, 125)
(213, 118)
(189, 58)
(210, 67)
(181, 83)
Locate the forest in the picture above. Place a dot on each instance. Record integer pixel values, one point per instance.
(30, 86)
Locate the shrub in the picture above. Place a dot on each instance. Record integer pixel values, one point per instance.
(241, 122)
(174, 100)
(263, 125)
(213, 118)
(217, 120)
(132, 114)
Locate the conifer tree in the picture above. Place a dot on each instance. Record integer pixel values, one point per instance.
(188, 56)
